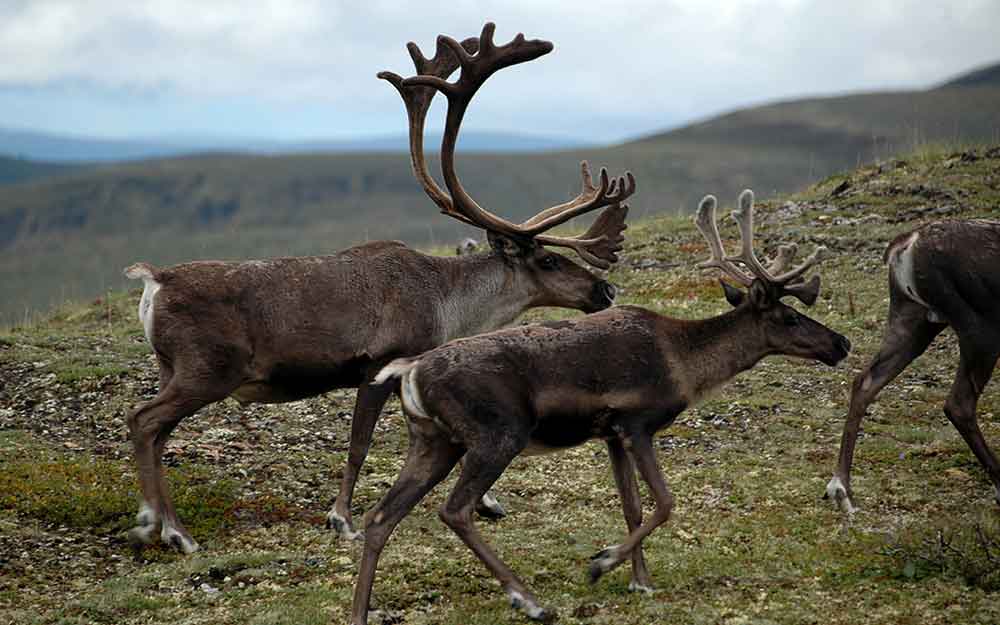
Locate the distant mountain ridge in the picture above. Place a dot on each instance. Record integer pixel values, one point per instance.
(983, 77)
(57, 148)
(69, 235)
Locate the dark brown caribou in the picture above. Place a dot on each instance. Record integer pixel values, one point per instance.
(288, 328)
(944, 274)
(619, 375)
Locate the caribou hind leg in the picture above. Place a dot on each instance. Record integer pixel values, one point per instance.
(149, 426)
(640, 447)
(978, 359)
(480, 469)
(367, 408)
(907, 335)
(628, 490)
(430, 458)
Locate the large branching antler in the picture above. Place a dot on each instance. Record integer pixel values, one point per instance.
(418, 101)
(478, 60)
(745, 266)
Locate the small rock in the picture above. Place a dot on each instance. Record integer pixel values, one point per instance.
(208, 588)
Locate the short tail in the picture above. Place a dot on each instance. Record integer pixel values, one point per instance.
(395, 369)
(145, 271)
(405, 369)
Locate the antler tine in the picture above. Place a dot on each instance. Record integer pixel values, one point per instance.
(743, 215)
(782, 258)
(790, 282)
(588, 189)
(705, 220)
(819, 254)
(600, 245)
(417, 100)
(609, 192)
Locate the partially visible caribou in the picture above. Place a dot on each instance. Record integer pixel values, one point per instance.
(466, 246)
(944, 274)
(284, 329)
(619, 375)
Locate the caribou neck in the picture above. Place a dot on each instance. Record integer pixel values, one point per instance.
(718, 348)
(480, 292)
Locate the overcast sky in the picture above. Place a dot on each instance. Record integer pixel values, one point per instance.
(305, 69)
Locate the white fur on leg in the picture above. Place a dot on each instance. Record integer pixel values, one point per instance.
(836, 491)
(146, 515)
(340, 525)
(141, 535)
(603, 561)
(490, 502)
(519, 602)
(634, 586)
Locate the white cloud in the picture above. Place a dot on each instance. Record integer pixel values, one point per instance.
(629, 64)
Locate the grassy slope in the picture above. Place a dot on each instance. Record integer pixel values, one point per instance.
(18, 170)
(71, 235)
(750, 542)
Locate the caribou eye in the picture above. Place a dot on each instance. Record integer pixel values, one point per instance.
(791, 320)
(548, 262)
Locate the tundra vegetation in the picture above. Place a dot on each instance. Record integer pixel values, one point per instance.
(750, 540)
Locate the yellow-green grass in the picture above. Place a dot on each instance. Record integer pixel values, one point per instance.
(751, 539)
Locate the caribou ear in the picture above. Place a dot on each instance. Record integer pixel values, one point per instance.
(805, 292)
(733, 295)
(505, 245)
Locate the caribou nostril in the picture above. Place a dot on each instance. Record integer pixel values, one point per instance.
(844, 344)
(609, 290)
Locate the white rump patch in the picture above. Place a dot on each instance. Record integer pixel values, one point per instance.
(901, 264)
(836, 491)
(150, 288)
(410, 395)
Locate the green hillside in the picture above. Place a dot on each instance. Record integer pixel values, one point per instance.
(69, 236)
(19, 170)
(750, 542)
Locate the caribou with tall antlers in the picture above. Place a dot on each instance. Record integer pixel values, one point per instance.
(284, 329)
(619, 375)
(940, 275)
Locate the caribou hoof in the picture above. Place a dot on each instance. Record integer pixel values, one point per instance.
(178, 541)
(637, 587)
(836, 491)
(529, 607)
(602, 562)
(342, 527)
(140, 536)
(489, 508)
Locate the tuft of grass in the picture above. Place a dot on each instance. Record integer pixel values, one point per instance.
(970, 552)
(101, 495)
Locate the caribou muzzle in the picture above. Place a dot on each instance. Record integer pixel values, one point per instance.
(841, 347)
(602, 296)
